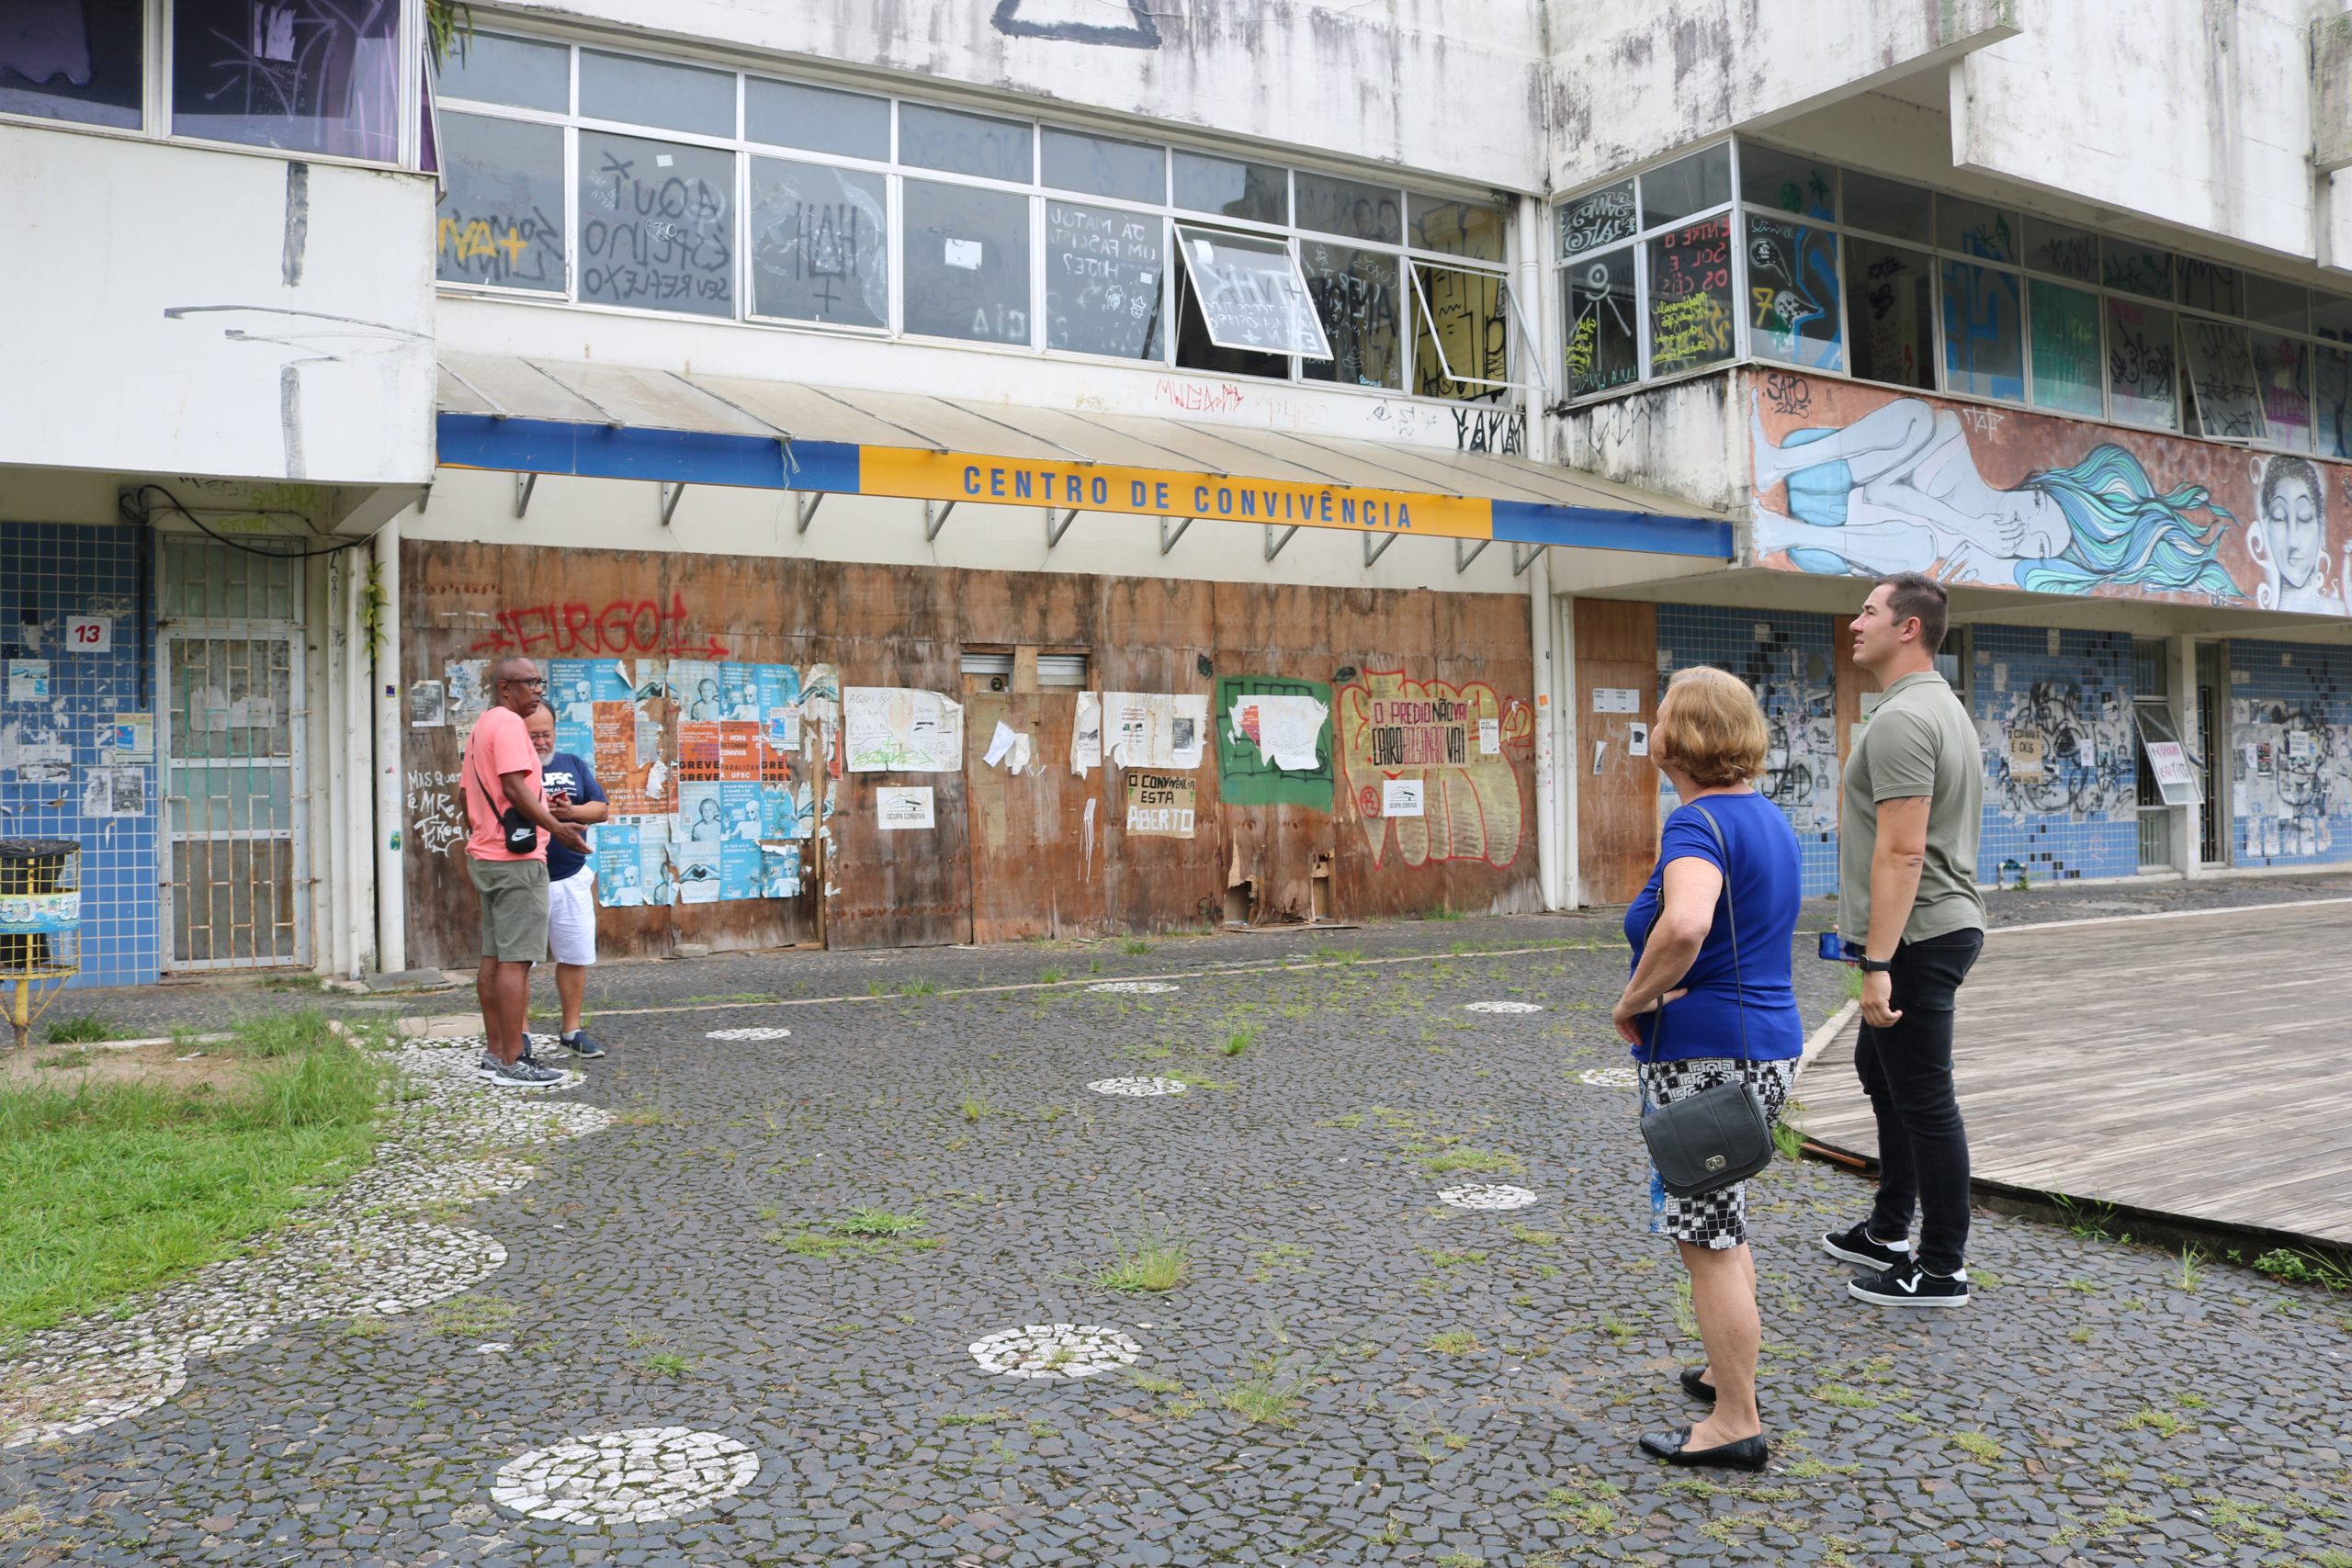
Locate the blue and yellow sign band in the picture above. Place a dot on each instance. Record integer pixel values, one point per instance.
(627, 452)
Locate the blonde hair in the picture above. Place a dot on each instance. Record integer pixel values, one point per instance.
(1709, 728)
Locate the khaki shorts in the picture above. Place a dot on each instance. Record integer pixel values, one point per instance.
(514, 909)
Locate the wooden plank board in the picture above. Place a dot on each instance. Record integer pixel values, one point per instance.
(2162, 1066)
(1617, 814)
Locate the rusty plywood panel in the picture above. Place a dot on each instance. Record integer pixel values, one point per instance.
(1617, 815)
(1280, 630)
(1160, 633)
(1036, 866)
(1850, 681)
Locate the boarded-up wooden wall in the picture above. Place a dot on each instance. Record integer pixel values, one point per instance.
(1617, 814)
(890, 625)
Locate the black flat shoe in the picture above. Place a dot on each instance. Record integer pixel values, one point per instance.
(1747, 1453)
(1698, 1387)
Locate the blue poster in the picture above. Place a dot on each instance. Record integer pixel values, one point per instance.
(573, 685)
(739, 852)
(787, 812)
(777, 699)
(780, 871)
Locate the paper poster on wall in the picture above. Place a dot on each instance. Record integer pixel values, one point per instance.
(114, 792)
(29, 680)
(36, 754)
(787, 812)
(780, 871)
(900, 730)
(1490, 738)
(779, 707)
(1160, 805)
(628, 756)
(1616, 699)
(428, 706)
(740, 865)
(2025, 754)
(620, 874)
(1274, 741)
(1637, 740)
(575, 687)
(134, 737)
(1155, 729)
(468, 685)
(900, 806)
(1086, 735)
(1402, 797)
(2176, 779)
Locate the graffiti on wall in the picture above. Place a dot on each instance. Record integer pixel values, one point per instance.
(1850, 479)
(2289, 776)
(576, 628)
(1450, 741)
(1078, 22)
(2056, 750)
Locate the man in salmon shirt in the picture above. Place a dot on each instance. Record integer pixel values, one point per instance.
(506, 852)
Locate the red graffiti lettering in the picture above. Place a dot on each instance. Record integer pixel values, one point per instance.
(577, 630)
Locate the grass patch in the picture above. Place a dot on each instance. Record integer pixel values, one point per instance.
(1442, 912)
(666, 1364)
(465, 1318)
(1978, 1445)
(868, 1219)
(1788, 1141)
(83, 1030)
(2162, 1422)
(1491, 1162)
(1238, 1041)
(863, 1230)
(2304, 1267)
(114, 1187)
(1153, 1263)
(921, 986)
(973, 1109)
(1454, 1342)
(1134, 947)
(1052, 977)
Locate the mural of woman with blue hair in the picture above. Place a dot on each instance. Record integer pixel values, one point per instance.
(1897, 491)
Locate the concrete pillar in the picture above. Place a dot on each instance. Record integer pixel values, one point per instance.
(2182, 656)
(391, 888)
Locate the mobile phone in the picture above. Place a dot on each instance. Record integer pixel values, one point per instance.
(1833, 948)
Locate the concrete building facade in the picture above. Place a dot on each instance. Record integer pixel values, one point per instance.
(1053, 467)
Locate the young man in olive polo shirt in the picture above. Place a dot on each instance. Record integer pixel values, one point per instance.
(1911, 917)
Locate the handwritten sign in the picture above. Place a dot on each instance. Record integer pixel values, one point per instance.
(2176, 779)
(1419, 733)
(1160, 805)
(1103, 280)
(1250, 293)
(1690, 322)
(1602, 218)
(657, 225)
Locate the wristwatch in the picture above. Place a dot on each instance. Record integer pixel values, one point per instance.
(1875, 966)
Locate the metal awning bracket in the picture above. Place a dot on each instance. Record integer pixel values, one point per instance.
(1374, 552)
(1167, 539)
(805, 509)
(934, 518)
(1461, 561)
(1518, 565)
(524, 485)
(671, 491)
(1274, 546)
(1054, 530)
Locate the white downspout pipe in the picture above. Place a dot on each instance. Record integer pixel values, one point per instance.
(391, 887)
(357, 858)
(1533, 297)
(328, 868)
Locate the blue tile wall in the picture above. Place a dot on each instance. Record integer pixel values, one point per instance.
(50, 573)
(1787, 658)
(2290, 754)
(2081, 817)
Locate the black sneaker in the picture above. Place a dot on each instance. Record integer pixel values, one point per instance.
(1908, 1285)
(579, 1043)
(1857, 1246)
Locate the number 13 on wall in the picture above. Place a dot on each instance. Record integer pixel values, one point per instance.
(89, 634)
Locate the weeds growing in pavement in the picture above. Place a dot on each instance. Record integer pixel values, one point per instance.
(1454, 1342)
(1238, 1041)
(2089, 1220)
(469, 1316)
(1485, 1161)
(666, 1364)
(2304, 1267)
(973, 1109)
(2192, 1268)
(868, 1219)
(1134, 947)
(83, 1028)
(1979, 1445)
(1052, 977)
(1787, 1139)
(921, 986)
(1153, 1263)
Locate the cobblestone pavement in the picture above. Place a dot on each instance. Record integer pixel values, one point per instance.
(697, 1350)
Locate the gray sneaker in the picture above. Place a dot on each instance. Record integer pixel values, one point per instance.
(525, 1074)
(490, 1066)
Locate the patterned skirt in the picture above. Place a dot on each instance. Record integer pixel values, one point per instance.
(1718, 1218)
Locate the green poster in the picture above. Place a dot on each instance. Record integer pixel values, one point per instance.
(1273, 742)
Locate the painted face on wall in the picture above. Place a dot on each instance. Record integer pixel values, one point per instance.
(2298, 528)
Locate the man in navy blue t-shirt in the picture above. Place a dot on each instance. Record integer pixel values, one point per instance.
(573, 796)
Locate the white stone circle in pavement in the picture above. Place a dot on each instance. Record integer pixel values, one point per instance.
(1056, 1350)
(361, 1251)
(755, 1033)
(634, 1476)
(1132, 988)
(1610, 1077)
(1137, 1089)
(1486, 1195)
(1502, 1007)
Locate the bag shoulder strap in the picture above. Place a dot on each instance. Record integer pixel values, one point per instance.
(1731, 919)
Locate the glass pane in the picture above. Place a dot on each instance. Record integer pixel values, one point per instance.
(792, 113)
(2270, 303)
(1984, 335)
(1355, 296)
(1100, 167)
(1601, 310)
(1251, 293)
(1596, 219)
(1687, 186)
(962, 143)
(2206, 286)
(1689, 303)
(204, 580)
(495, 70)
(2135, 268)
(2331, 402)
(2332, 317)
(81, 63)
(1196, 349)
(1885, 207)
(230, 797)
(966, 263)
(2054, 248)
(2069, 372)
(304, 75)
(2220, 374)
(1786, 181)
(2156, 837)
(1795, 308)
(2141, 366)
(654, 91)
(1890, 321)
(231, 698)
(1976, 229)
(1259, 193)
(1346, 208)
(1472, 228)
(821, 244)
(2282, 370)
(657, 225)
(501, 218)
(1104, 279)
(1467, 328)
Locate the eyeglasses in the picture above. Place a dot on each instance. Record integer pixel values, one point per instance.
(539, 680)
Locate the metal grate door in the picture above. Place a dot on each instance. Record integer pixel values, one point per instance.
(229, 729)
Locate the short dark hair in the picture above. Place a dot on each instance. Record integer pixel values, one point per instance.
(1918, 596)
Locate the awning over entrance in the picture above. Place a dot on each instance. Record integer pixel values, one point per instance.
(532, 416)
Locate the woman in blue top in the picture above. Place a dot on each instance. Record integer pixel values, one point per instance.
(1696, 1017)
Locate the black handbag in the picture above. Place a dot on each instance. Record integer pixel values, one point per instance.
(1718, 1135)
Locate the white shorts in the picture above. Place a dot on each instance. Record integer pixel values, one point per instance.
(571, 919)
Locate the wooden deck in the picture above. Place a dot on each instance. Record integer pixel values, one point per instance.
(2199, 1067)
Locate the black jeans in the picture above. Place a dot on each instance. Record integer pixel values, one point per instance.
(1906, 1071)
